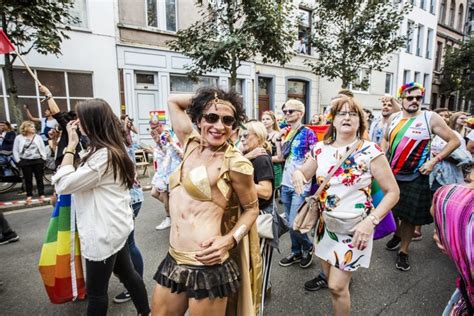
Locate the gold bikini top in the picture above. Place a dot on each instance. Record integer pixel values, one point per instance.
(196, 183)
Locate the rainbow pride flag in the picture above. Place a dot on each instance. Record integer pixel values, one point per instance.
(158, 116)
(60, 262)
(319, 130)
(387, 225)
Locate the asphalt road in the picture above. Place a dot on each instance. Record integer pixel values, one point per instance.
(380, 290)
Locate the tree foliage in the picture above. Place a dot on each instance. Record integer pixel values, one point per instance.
(39, 25)
(353, 34)
(457, 74)
(232, 31)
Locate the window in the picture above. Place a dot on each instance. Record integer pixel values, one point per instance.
(410, 25)
(451, 13)
(429, 44)
(298, 89)
(364, 78)
(460, 17)
(303, 44)
(79, 10)
(426, 84)
(67, 87)
(162, 14)
(388, 83)
(422, 4)
(442, 12)
(432, 6)
(417, 77)
(419, 40)
(439, 52)
(406, 76)
(182, 83)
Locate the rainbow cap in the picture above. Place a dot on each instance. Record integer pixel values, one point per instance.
(410, 85)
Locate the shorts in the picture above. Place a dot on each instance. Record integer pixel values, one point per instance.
(198, 282)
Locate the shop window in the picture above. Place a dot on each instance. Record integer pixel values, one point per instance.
(183, 84)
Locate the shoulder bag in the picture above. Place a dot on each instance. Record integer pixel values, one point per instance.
(286, 146)
(308, 213)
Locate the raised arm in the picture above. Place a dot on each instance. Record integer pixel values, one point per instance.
(53, 107)
(180, 121)
(30, 117)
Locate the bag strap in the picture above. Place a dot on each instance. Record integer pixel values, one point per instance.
(336, 166)
(296, 134)
(25, 148)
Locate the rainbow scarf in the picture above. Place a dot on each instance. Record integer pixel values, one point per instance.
(60, 262)
(453, 207)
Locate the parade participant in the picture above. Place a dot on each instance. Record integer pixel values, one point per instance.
(271, 125)
(444, 113)
(347, 194)
(99, 188)
(379, 125)
(214, 178)
(48, 122)
(300, 141)
(457, 122)
(452, 210)
(29, 154)
(407, 141)
(167, 156)
(7, 139)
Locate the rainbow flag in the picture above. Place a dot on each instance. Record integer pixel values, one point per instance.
(158, 116)
(387, 225)
(60, 262)
(319, 130)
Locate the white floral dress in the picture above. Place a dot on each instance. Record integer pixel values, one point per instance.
(347, 191)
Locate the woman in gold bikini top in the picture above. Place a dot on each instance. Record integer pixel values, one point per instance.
(212, 175)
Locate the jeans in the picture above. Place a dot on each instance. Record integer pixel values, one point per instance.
(38, 171)
(135, 253)
(97, 282)
(291, 201)
(6, 165)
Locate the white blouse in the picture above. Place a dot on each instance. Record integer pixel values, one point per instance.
(104, 216)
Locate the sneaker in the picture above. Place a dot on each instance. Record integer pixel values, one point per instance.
(290, 259)
(166, 223)
(122, 297)
(417, 236)
(316, 284)
(394, 243)
(402, 262)
(12, 237)
(306, 259)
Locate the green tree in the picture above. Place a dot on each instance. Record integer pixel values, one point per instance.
(32, 24)
(353, 34)
(232, 31)
(457, 74)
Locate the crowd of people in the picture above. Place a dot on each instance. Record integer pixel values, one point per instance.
(218, 173)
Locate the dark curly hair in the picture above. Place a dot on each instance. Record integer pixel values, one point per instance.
(205, 95)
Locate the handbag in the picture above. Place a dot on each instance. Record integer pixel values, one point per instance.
(265, 225)
(286, 147)
(60, 262)
(344, 223)
(309, 211)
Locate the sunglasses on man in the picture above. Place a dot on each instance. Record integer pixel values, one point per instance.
(290, 111)
(213, 118)
(411, 98)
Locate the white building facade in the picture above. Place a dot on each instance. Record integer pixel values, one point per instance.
(87, 67)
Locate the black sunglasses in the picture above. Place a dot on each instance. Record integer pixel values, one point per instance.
(410, 98)
(290, 111)
(212, 118)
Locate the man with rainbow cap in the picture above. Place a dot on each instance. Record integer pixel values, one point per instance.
(407, 141)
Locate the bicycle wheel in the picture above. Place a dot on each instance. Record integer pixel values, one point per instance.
(48, 173)
(6, 186)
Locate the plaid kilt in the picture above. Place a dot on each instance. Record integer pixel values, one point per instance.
(415, 201)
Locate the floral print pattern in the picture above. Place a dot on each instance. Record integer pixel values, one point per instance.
(348, 191)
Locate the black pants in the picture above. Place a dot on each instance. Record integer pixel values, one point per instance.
(4, 227)
(97, 282)
(38, 170)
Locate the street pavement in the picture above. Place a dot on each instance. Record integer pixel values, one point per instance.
(379, 290)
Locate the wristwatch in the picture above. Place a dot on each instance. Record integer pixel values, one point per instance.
(374, 219)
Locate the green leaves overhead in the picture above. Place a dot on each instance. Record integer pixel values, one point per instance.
(232, 31)
(348, 35)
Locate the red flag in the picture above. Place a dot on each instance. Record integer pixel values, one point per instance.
(5, 45)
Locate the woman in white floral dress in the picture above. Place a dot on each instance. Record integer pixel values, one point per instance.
(347, 194)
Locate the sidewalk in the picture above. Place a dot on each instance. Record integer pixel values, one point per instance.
(15, 199)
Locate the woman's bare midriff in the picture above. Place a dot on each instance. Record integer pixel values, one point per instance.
(192, 221)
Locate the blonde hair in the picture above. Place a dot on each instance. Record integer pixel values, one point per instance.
(272, 116)
(297, 104)
(24, 127)
(260, 132)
